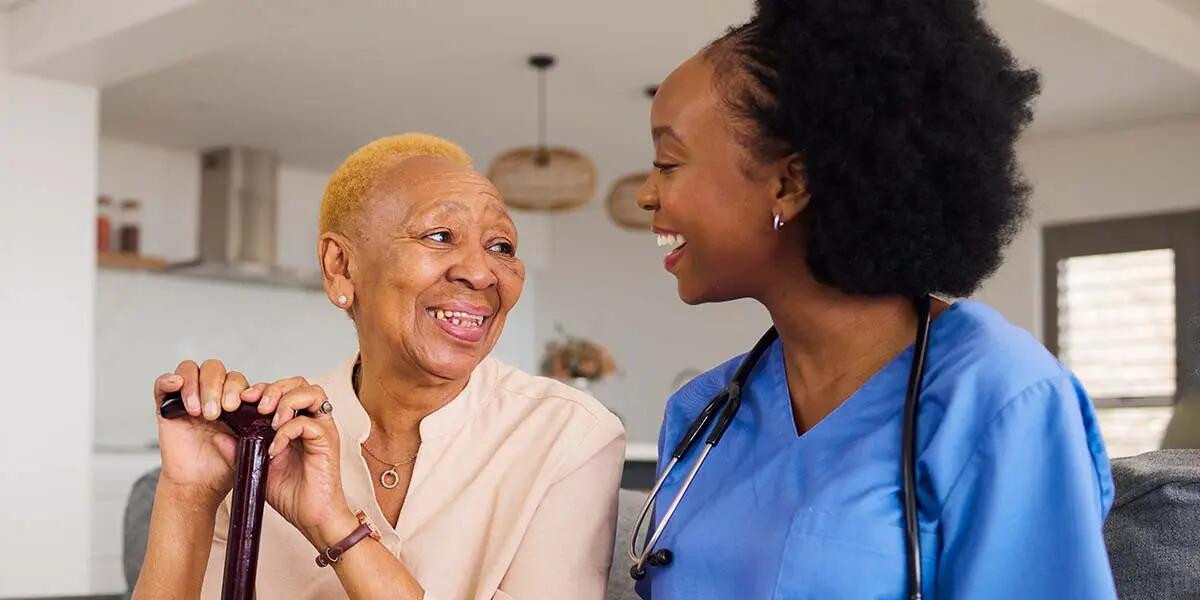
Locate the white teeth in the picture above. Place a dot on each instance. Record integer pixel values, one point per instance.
(461, 319)
(674, 240)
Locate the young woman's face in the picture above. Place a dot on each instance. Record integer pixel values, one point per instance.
(710, 198)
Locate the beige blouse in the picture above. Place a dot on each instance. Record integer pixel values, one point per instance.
(513, 495)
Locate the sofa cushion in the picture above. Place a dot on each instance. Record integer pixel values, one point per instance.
(1153, 530)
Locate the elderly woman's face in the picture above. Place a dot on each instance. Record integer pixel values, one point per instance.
(706, 189)
(439, 272)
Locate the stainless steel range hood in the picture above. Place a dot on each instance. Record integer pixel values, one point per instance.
(238, 207)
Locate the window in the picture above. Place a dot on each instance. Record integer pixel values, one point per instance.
(1116, 324)
(1116, 313)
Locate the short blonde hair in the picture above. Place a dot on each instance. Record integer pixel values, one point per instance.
(351, 182)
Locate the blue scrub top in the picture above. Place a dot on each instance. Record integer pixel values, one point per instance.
(1013, 481)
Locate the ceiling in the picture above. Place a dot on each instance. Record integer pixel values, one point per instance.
(1191, 7)
(7, 5)
(343, 73)
(1091, 79)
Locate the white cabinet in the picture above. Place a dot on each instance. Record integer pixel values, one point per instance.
(113, 474)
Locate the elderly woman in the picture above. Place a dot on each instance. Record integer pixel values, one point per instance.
(839, 161)
(482, 481)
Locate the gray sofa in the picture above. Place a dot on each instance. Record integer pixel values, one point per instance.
(1153, 531)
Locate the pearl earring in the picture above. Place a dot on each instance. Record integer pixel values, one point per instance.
(777, 222)
(343, 299)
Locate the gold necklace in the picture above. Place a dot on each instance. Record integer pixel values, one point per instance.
(389, 478)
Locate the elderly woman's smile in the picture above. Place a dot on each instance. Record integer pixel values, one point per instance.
(460, 320)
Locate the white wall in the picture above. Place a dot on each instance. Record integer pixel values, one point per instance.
(300, 192)
(147, 323)
(1141, 170)
(48, 134)
(166, 181)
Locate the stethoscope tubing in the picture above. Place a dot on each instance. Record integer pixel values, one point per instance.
(728, 400)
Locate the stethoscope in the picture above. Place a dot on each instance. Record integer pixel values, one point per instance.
(725, 405)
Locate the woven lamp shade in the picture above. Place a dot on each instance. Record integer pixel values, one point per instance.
(622, 203)
(552, 179)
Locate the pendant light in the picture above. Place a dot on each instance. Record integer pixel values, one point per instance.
(543, 177)
(623, 208)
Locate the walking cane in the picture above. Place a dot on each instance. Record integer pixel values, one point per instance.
(254, 434)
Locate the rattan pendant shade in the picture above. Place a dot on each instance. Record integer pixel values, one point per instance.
(543, 177)
(623, 208)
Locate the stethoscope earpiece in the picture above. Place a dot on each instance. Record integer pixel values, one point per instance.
(661, 558)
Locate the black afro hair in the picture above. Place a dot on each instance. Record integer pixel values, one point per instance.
(905, 115)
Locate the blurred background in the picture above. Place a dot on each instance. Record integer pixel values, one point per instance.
(162, 161)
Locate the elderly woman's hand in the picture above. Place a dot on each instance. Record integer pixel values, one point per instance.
(197, 453)
(304, 484)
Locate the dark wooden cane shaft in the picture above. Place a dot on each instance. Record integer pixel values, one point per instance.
(254, 434)
(245, 517)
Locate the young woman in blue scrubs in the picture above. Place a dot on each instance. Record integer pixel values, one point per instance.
(832, 160)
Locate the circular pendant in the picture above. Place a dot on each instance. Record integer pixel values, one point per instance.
(389, 478)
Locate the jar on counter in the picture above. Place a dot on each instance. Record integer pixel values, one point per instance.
(104, 224)
(129, 234)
